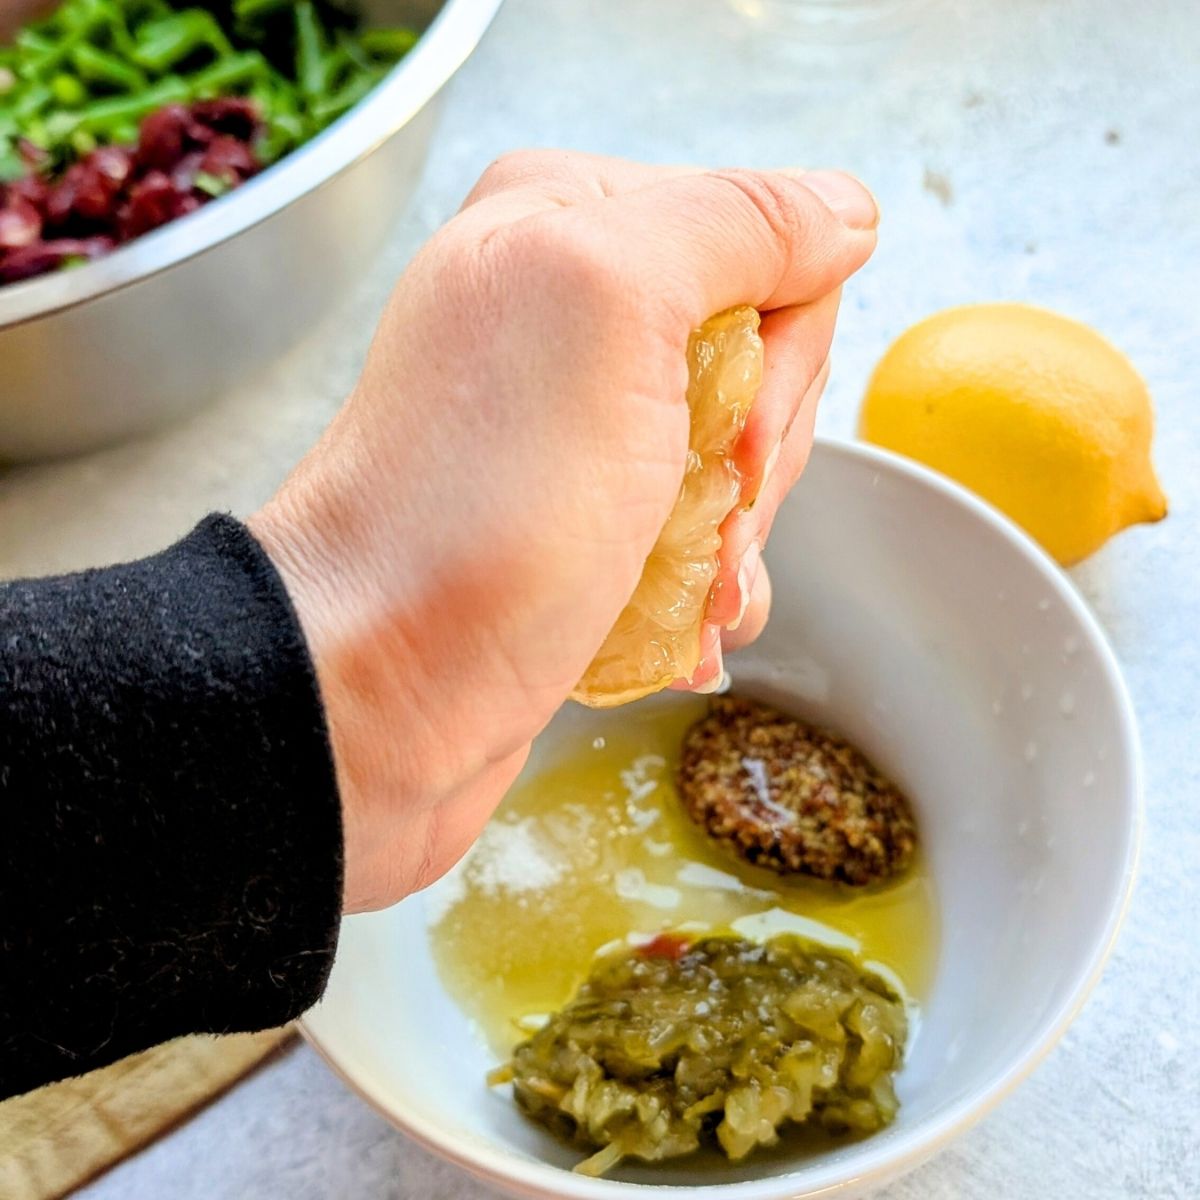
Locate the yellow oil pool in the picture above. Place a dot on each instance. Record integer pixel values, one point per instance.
(596, 848)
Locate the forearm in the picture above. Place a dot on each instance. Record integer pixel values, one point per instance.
(170, 833)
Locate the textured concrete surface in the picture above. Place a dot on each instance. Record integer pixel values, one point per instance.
(1020, 149)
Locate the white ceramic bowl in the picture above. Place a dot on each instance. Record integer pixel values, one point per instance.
(933, 633)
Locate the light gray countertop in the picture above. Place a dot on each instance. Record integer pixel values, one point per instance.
(1020, 149)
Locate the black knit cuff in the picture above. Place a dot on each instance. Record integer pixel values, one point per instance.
(170, 831)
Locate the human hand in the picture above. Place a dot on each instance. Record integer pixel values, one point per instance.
(463, 536)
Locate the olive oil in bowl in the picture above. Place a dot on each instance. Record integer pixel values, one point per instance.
(595, 848)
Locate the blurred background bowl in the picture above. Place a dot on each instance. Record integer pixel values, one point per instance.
(928, 629)
(124, 344)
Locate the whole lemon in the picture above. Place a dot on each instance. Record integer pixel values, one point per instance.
(1033, 411)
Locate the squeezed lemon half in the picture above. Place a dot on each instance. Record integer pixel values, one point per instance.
(656, 639)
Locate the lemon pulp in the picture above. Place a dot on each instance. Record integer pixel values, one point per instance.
(656, 639)
(597, 848)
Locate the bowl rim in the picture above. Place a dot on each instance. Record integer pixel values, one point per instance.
(870, 1166)
(442, 48)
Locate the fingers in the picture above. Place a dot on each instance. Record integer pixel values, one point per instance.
(754, 618)
(744, 532)
(793, 457)
(751, 591)
(716, 642)
(796, 345)
(700, 243)
(711, 668)
(772, 453)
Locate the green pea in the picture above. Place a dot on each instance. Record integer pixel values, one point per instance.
(68, 91)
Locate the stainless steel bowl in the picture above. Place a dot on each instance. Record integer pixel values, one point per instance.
(128, 342)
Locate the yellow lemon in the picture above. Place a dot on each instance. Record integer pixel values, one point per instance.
(1033, 411)
(657, 637)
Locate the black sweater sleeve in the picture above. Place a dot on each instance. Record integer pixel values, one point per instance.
(170, 833)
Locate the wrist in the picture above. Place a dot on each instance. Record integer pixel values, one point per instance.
(368, 676)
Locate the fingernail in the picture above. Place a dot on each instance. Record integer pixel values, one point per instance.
(845, 197)
(747, 574)
(722, 603)
(768, 467)
(764, 475)
(716, 664)
(707, 675)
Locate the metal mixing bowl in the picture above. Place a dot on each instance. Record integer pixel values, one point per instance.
(126, 343)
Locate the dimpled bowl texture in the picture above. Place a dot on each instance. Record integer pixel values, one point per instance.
(933, 633)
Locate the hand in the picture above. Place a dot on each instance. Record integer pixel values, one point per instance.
(465, 533)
